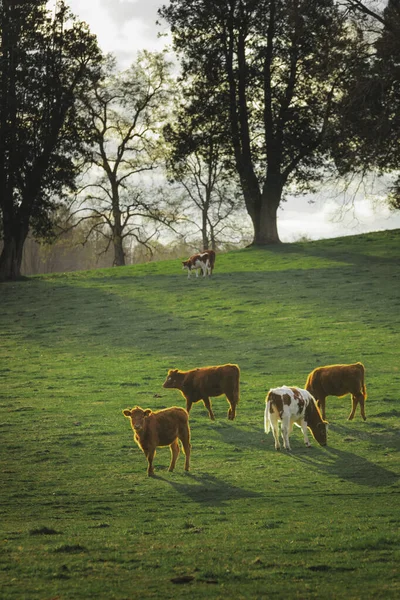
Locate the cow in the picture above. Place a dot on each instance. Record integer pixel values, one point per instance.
(339, 380)
(202, 383)
(292, 405)
(160, 428)
(203, 261)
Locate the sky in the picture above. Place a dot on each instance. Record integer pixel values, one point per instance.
(123, 27)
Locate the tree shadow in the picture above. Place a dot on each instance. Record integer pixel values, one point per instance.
(348, 466)
(208, 489)
(381, 434)
(249, 438)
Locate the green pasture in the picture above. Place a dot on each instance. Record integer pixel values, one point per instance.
(79, 517)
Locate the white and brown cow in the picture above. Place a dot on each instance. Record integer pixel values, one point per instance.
(339, 380)
(203, 261)
(292, 405)
(160, 428)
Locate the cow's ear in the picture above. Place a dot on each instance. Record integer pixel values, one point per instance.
(127, 412)
(147, 412)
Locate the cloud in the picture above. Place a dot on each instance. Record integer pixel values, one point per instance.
(122, 27)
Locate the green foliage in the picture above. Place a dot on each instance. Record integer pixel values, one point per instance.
(79, 517)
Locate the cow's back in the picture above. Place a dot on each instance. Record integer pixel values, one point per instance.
(168, 424)
(214, 381)
(336, 380)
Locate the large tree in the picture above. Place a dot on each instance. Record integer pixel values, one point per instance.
(127, 112)
(369, 128)
(46, 64)
(277, 67)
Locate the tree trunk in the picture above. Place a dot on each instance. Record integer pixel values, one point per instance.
(119, 254)
(265, 217)
(204, 229)
(11, 256)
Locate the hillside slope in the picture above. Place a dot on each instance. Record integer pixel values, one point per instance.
(80, 518)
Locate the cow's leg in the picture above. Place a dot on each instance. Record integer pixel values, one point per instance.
(207, 404)
(232, 410)
(321, 405)
(357, 398)
(150, 457)
(174, 447)
(286, 432)
(304, 428)
(188, 404)
(185, 439)
(362, 406)
(354, 402)
(275, 431)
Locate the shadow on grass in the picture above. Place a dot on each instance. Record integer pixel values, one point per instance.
(382, 434)
(349, 467)
(241, 438)
(208, 489)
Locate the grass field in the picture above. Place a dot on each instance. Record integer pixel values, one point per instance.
(79, 517)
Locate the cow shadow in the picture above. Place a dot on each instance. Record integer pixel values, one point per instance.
(348, 466)
(208, 490)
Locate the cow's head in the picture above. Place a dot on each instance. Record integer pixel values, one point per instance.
(320, 432)
(137, 416)
(186, 264)
(173, 379)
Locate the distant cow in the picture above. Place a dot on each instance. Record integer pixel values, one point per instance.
(206, 382)
(160, 428)
(339, 380)
(292, 405)
(203, 261)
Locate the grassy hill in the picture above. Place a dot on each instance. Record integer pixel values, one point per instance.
(79, 517)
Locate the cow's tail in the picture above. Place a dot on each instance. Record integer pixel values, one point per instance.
(266, 416)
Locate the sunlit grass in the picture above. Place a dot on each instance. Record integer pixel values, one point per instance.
(79, 517)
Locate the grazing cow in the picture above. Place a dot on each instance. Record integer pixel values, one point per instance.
(203, 261)
(339, 380)
(160, 428)
(292, 405)
(201, 384)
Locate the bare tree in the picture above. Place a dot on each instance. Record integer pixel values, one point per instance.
(127, 110)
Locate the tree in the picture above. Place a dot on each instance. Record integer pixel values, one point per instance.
(369, 137)
(198, 161)
(127, 111)
(46, 65)
(277, 67)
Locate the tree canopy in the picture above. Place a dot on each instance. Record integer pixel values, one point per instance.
(47, 62)
(277, 68)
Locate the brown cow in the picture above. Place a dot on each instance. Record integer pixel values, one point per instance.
(339, 380)
(160, 428)
(292, 405)
(200, 384)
